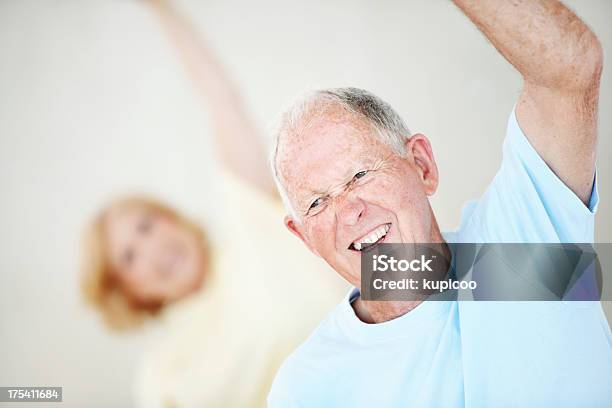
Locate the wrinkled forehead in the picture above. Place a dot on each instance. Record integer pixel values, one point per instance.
(325, 151)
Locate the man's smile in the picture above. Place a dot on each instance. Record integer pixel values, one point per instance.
(371, 238)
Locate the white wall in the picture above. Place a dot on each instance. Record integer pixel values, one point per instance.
(93, 103)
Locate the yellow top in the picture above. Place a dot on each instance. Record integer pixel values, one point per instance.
(266, 292)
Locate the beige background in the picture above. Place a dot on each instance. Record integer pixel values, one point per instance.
(94, 103)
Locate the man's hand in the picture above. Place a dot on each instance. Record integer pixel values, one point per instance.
(560, 60)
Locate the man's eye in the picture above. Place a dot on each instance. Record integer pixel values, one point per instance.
(316, 203)
(360, 174)
(317, 206)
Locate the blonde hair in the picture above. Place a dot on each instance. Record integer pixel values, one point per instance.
(99, 284)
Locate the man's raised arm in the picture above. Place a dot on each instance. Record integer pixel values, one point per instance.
(560, 60)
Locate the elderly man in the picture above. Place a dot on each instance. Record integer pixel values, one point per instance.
(352, 176)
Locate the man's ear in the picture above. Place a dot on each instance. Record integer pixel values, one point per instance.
(295, 228)
(419, 149)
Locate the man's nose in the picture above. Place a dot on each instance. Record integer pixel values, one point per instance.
(350, 209)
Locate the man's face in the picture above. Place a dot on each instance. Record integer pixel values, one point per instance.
(351, 191)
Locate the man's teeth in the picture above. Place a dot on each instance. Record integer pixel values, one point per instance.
(372, 237)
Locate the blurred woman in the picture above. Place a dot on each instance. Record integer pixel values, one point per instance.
(223, 304)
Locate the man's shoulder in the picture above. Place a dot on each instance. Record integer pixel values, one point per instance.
(526, 201)
(307, 367)
(322, 342)
(469, 229)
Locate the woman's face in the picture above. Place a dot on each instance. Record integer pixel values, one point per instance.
(156, 259)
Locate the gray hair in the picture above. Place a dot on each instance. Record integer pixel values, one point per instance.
(389, 127)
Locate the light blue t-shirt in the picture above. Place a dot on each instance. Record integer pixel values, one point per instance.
(473, 354)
